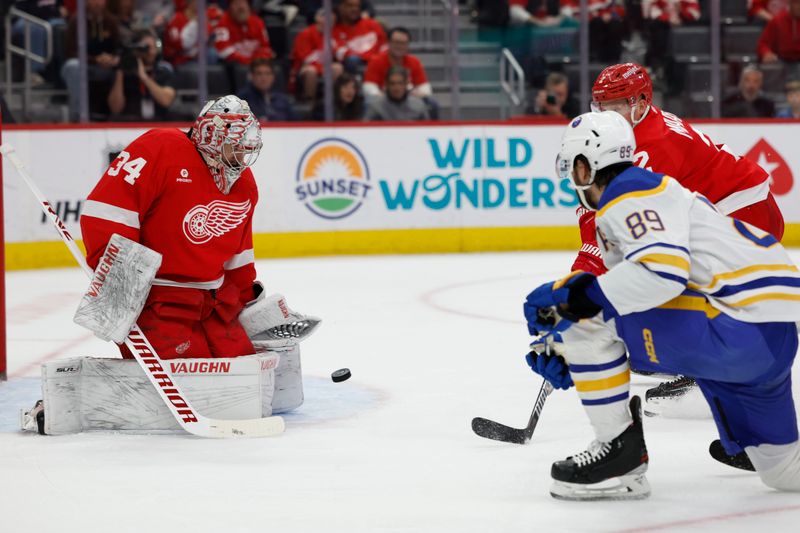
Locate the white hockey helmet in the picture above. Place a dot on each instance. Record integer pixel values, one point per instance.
(603, 138)
(227, 121)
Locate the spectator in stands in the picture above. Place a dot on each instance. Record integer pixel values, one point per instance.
(307, 59)
(102, 49)
(540, 13)
(748, 101)
(396, 55)
(765, 10)
(265, 102)
(143, 87)
(357, 38)
(180, 37)
(240, 38)
(54, 12)
(793, 99)
(309, 9)
(607, 27)
(780, 40)
(348, 103)
(156, 13)
(397, 103)
(124, 11)
(555, 99)
(660, 17)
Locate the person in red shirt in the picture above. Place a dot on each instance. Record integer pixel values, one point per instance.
(396, 56)
(780, 40)
(307, 59)
(190, 197)
(357, 39)
(660, 17)
(180, 37)
(765, 9)
(241, 36)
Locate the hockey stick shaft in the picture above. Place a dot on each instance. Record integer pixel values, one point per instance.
(544, 392)
(490, 429)
(144, 353)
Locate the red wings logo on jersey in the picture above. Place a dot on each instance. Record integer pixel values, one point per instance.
(204, 222)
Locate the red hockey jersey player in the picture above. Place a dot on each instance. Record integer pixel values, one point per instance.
(191, 198)
(241, 36)
(667, 144)
(358, 39)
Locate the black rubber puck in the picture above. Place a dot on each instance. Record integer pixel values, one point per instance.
(341, 375)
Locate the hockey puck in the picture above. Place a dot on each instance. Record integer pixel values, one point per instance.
(341, 375)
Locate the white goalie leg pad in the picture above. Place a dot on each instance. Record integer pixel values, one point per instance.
(118, 290)
(778, 465)
(86, 394)
(288, 376)
(601, 375)
(269, 319)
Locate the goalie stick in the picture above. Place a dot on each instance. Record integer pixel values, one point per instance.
(144, 353)
(489, 429)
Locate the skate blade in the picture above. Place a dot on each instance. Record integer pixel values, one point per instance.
(633, 486)
(691, 406)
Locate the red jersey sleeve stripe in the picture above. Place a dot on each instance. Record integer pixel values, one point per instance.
(112, 213)
(239, 260)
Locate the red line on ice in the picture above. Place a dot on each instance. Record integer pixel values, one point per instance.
(428, 299)
(708, 519)
(50, 355)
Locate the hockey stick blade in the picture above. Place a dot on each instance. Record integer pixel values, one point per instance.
(144, 353)
(489, 429)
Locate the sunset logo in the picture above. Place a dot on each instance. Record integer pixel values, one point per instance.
(332, 178)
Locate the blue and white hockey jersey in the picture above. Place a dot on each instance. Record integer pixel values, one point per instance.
(659, 239)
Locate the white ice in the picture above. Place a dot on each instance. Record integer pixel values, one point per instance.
(432, 341)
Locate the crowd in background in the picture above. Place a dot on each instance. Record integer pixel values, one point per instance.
(618, 27)
(142, 53)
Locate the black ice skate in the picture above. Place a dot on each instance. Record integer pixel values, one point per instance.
(678, 398)
(607, 470)
(740, 460)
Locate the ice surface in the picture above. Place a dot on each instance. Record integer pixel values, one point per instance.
(432, 341)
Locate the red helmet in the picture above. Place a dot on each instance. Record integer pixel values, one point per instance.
(625, 80)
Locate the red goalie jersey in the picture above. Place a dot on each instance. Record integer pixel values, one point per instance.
(159, 192)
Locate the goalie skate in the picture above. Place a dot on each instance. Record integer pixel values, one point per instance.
(612, 470)
(678, 398)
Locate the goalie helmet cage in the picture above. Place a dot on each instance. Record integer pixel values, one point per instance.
(2, 269)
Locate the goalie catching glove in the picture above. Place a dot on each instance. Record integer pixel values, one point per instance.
(119, 289)
(269, 319)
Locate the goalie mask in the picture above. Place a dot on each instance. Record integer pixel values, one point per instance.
(604, 139)
(229, 138)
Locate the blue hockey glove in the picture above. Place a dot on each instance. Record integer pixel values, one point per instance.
(554, 295)
(553, 368)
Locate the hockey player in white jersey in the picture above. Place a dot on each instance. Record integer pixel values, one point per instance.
(688, 291)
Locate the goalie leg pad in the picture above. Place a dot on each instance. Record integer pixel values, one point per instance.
(288, 376)
(85, 394)
(118, 289)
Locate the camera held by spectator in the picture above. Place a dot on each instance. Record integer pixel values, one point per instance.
(554, 100)
(143, 85)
